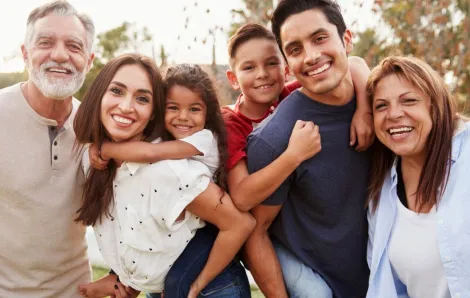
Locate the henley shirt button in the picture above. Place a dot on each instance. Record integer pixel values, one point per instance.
(55, 157)
(55, 143)
(447, 258)
(441, 221)
(457, 295)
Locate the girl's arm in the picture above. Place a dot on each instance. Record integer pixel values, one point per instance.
(215, 206)
(145, 152)
(362, 129)
(247, 191)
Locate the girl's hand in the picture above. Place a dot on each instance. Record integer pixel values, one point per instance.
(120, 291)
(304, 141)
(362, 129)
(95, 160)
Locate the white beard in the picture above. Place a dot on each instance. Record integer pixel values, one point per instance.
(53, 87)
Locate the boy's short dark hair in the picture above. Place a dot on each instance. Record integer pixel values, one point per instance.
(245, 33)
(286, 8)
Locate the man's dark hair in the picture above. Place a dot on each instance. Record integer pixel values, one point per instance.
(286, 8)
(245, 33)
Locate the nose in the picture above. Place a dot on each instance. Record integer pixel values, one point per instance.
(59, 53)
(127, 105)
(395, 112)
(312, 55)
(262, 73)
(183, 114)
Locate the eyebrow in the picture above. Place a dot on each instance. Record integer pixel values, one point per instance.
(251, 61)
(51, 35)
(124, 86)
(401, 95)
(319, 30)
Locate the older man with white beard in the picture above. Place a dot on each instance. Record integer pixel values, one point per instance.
(42, 250)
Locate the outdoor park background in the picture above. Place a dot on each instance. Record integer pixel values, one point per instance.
(196, 31)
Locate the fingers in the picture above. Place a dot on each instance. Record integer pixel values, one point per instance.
(352, 135)
(120, 291)
(298, 125)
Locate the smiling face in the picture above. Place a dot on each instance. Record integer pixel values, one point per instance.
(316, 55)
(57, 58)
(127, 105)
(402, 116)
(185, 112)
(258, 70)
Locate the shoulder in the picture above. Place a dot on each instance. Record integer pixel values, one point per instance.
(10, 93)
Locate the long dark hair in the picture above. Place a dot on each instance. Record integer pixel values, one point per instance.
(98, 188)
(197, 80)
(435, 171)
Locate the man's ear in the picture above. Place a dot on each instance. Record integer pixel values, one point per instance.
(286, 73)
(91, 58)
(232, 78)
(347, 40)
(24, 53)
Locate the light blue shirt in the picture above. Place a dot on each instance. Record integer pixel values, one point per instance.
(453, 228)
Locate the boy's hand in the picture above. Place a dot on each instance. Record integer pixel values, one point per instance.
(304, 141)
(362, 130)
(95, 159)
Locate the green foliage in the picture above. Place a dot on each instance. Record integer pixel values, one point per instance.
(259, 11)
(124, 38)
(8, 79)
(433, 30)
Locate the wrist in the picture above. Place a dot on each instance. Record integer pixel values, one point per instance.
(292, 158)
(102, 152)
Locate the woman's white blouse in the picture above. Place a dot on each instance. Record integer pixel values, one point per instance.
(142, 239)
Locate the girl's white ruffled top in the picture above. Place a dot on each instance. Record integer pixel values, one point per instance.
(142, 238)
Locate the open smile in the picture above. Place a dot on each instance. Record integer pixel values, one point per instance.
(122, 120)
(183, 128)
(318, 70)
(400, 132)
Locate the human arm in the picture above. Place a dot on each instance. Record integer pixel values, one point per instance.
(362, 129)
(259, 254)
(146, 152)
(247, 191)
(215, 206)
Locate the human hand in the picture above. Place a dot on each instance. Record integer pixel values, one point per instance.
(95, 158)
(121, 291)
(194, 290)
(305, 140)
(362, 130)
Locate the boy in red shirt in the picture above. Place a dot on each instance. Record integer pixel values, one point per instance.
(258, 70)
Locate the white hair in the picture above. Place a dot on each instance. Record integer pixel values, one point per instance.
(60, 8)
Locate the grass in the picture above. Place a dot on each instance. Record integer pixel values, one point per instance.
(99, 272)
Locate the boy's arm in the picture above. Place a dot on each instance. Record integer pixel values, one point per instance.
(362, 129)
(145, 152)
(247, 191)
(260, 256)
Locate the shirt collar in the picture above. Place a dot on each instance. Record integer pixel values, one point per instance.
(132, 167)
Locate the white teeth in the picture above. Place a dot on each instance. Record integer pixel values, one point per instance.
(183, 127)
(122, 120)
(319, 70)
(264, 87)
(400, 130)
(58, 70)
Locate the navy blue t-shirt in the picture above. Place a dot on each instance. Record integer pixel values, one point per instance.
(323, 217)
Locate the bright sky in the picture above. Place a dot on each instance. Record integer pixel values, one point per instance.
(165, 20)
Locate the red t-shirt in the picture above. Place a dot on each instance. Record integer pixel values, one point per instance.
(239, 126)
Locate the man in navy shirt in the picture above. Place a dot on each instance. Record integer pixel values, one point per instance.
(316, 219)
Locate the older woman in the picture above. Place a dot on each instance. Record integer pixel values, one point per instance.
(419, 228)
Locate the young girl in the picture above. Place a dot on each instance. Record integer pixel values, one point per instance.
(152, 211)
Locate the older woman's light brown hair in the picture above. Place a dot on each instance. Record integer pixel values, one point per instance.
(435, 172)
